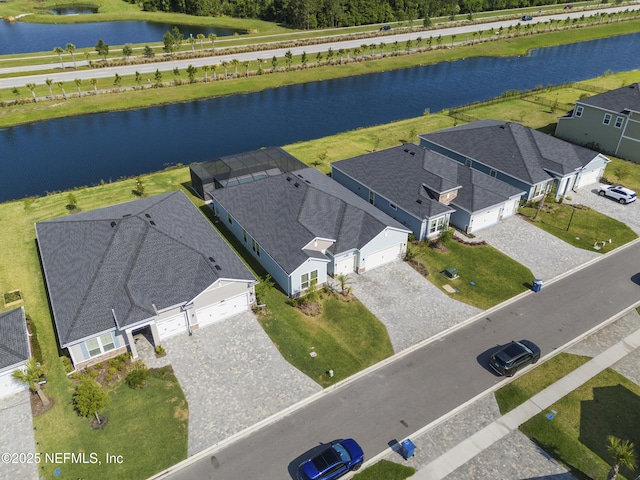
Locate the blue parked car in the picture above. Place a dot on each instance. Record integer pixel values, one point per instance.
(334, 461)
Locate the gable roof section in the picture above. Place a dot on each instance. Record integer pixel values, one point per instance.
(400, 174)
(618, 100)
(129, 258)
(285, 213)
(513, 149)
(14, 341)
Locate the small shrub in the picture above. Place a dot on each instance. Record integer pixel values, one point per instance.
(112, 362)
(137, 378)
(121, 367)
(93, 373)
(66, 362)
(98, 366)
(160, 350)
(112, 371)
(108, 378)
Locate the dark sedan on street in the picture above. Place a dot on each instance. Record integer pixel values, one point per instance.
(335, 460)
(514, 356)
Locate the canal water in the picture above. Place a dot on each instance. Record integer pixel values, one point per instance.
(61, 154)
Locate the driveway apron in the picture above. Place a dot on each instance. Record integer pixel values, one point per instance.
(411, 307)
(233, 376)
(629, 214)
(16, 436)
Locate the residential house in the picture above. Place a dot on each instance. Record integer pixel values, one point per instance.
(302, 227)
(520, 156)
(15, 349)
(154, 264)
(608, 122)
(426, 191)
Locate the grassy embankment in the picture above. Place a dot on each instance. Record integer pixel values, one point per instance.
(123, 97)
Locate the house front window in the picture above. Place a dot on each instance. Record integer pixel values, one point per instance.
(255, 246)
(229, 218)
(579, 111)
(468, 162)
(619, 121)
(307, 278)
(392, 206)
(438, 225)
(493, 173)
(540, 189)
(372, 197)
(607, 119)
(102, 344)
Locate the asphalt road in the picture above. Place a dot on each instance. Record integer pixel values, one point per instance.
(391, 403)
(463, 33)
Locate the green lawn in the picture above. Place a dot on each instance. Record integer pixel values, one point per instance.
(581, 227)
(386, 470)
(147, 427)
(576, 437)
(526, 386)
(345, 337)
(496, 277)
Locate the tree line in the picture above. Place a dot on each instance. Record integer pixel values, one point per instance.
(310, 14)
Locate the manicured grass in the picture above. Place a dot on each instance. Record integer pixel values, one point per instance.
(581, 227)
(576, 437)
(386, 470)
(496, 276)
(147, 427)
(345, 336)
(526, 386)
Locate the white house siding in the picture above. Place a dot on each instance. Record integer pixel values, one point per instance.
(389, 245)
(8, 384)
(208, 306)
(307, 267)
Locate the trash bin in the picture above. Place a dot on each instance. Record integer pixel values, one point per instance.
(408, 448)
(537, 285)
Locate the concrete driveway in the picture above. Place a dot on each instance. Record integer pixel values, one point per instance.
(232, 375)
(545, 255)
(16, 436)
(629, 214)
(411, 307)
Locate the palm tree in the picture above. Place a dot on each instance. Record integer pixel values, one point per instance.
(341, 53)
(70, 49)
(32, 377)
(453, 39)
(94, 82)
(192, 41)
(344, 281)
(372, 49)
(235, 62)
(260, 60)
(225, 64)
(32, 87)
(61, 87)
(212, 37)
(205, 69)
(78, 81)
(288, 57)
(623, 454)
(49, 82)
(246, 64)
(138, 78)
(59, 51)
(214, 67)
(200, 37)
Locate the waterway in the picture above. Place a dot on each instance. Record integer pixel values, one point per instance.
(21, 37)
(69, 152)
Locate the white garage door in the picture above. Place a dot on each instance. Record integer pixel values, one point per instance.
(485, 219)
(172, 326)
(589, 178)
(380, 258)
(9, 385)
(225, 309)
(345, 266)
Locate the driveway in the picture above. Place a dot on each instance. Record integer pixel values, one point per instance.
(629, 214)
(16, 435)
(545, 255)
(232, 375)
(411, 307)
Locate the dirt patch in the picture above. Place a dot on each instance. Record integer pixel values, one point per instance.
(37, 407)
(181, 413)
(99, 425)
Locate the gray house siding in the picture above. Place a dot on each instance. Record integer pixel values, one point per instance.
(269, 264)
(589, 129)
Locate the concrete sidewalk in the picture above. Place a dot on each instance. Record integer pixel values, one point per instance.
(457, 456)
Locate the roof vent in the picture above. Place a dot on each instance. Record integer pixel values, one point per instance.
(147, 215)
(296, 184)
(307, 181)
(419, 201)
(152, 222)
(212, 260)
(288, 179)
(113, 224)
(126, 215)
(412, 153)
(406, 150)
(502, 127)
(218, 267)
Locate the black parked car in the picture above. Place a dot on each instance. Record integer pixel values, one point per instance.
(513, 357)
(385, 27)
(526, 18)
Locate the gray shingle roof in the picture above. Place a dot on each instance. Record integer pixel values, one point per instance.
(14, 341)
(284, 213)
(155, 251)
(617, 100)
(513, 149)
(400, 174)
